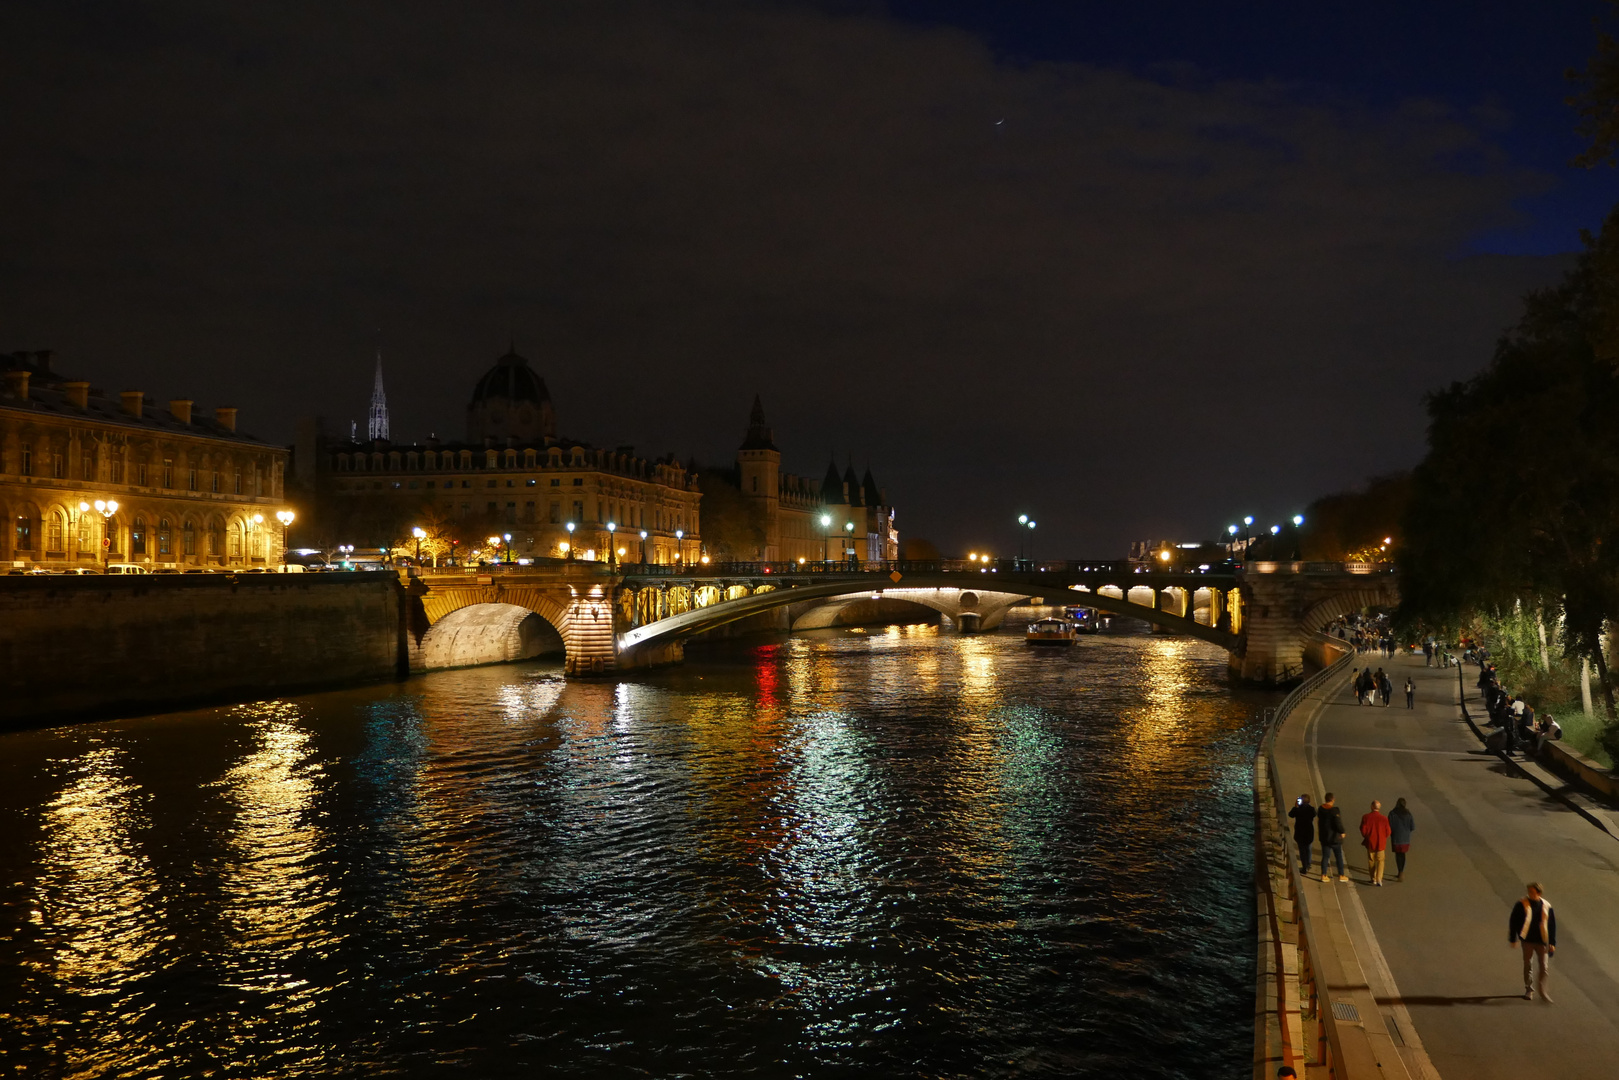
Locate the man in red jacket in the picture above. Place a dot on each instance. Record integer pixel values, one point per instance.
(1374, 836)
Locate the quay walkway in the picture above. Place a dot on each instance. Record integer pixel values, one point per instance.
(1429, 954)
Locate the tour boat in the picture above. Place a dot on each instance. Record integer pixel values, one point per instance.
(1050, 632)
(1087, 620)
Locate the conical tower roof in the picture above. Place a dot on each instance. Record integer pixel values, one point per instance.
(832, 486)
(852, 485)
(869, 489)
(759, 436)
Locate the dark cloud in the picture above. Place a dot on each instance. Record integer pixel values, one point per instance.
(1130, 306)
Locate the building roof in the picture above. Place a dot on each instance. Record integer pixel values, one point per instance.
(832, 493)
(511, 379)
(868, 487)
(759, 436)
(48, 394)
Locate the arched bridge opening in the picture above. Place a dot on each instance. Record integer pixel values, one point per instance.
(488, 633)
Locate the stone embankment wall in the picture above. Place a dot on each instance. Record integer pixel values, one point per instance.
(77, 646)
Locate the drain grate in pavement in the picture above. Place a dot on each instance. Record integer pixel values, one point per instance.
(1343, 1010)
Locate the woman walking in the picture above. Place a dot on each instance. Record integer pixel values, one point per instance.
(1410, 693)
(1401, 826)
(1303, 815)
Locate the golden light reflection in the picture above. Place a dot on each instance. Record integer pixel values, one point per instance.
(96, 886)
(1167, 671)
(272, 891)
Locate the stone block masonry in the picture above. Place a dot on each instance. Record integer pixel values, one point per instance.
(93, 646)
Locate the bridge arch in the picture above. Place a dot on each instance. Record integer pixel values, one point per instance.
(488, 633)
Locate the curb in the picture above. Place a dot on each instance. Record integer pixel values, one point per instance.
(1562, 791)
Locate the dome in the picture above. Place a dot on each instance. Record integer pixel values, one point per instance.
(509, 403)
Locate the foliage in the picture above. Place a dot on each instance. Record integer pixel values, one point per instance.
(1517, 500)
(1597, 101)
(733, 524)
(1350, 526)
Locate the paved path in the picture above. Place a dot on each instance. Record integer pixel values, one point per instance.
(1482, 832)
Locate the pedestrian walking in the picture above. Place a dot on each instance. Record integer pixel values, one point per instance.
(1385, 686)
(1427, 653)
(1401, 826)
(1303, 815)
(1533, 925)
(1329, 826)
(1410, 693)
(1374, 837)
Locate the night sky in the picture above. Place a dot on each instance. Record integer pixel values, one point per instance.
(1135, 269)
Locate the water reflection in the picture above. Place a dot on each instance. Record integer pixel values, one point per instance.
(898, 853)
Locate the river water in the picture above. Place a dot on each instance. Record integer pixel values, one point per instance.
(883, 853)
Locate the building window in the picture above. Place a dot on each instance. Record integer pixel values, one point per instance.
(556, 512)
(188, 538)
(257, 543)
(511, 513)
(578, 510)
(58, 470)
(163, 539)
(531, 483)
(492, 483)
(493, 510)
(578, 481)
(528, 511)
(25, 533)
(191, 479)
(238, 481)
(116, 471)
(53, 532)
(213, 537)
(236, 543)
(140, 474)
(556, 483)
(215, 485)
(168, 472)
(87, 465)
(87, 538)
(137, 538)
(27, 461)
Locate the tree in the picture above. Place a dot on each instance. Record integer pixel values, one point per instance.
(733, 524)
(1518, 497)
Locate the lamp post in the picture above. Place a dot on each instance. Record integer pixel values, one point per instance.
(643, 549)
(567, 545)
(848, 528)
(826, 523)
(1298, 548)
(345, 550)
(1025, 522)
(680, 547)
(494, 542)
(255, 521)
(612, 533)
(420, 534)
(286, 518)
(106, 508)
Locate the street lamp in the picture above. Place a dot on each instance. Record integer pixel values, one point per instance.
(1025, 522)
(286, 518)
(643, 547)
(567, 546)
(346, 550)
(848, 527)
(106, 508)
(612, 528)
(420, 534)
(255, 521)
(680, 548)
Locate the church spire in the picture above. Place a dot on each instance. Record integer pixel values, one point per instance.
(378, 425)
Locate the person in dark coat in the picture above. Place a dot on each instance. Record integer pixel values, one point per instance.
(1329, 826)
(1385, 686)
(1410, 693)
(1401, 826)
(1534, 926)
(1303, 815)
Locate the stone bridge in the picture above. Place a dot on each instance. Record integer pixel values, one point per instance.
(603, 620)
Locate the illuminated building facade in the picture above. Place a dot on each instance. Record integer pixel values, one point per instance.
(514, 475)
(839, 519)
(191, 491)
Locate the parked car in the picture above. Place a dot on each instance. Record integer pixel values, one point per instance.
(29, 572)
(78, 571)
(126, 568)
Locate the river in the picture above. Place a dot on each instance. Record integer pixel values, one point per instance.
(883, 853)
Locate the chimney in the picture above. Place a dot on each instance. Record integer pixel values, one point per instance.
(132, 402)
(226, 416)
(180, 409)
(78, 394)
(17, 384)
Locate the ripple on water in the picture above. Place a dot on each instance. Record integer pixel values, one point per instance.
(890, 853)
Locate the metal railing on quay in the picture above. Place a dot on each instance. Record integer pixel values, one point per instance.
(1300, 990)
